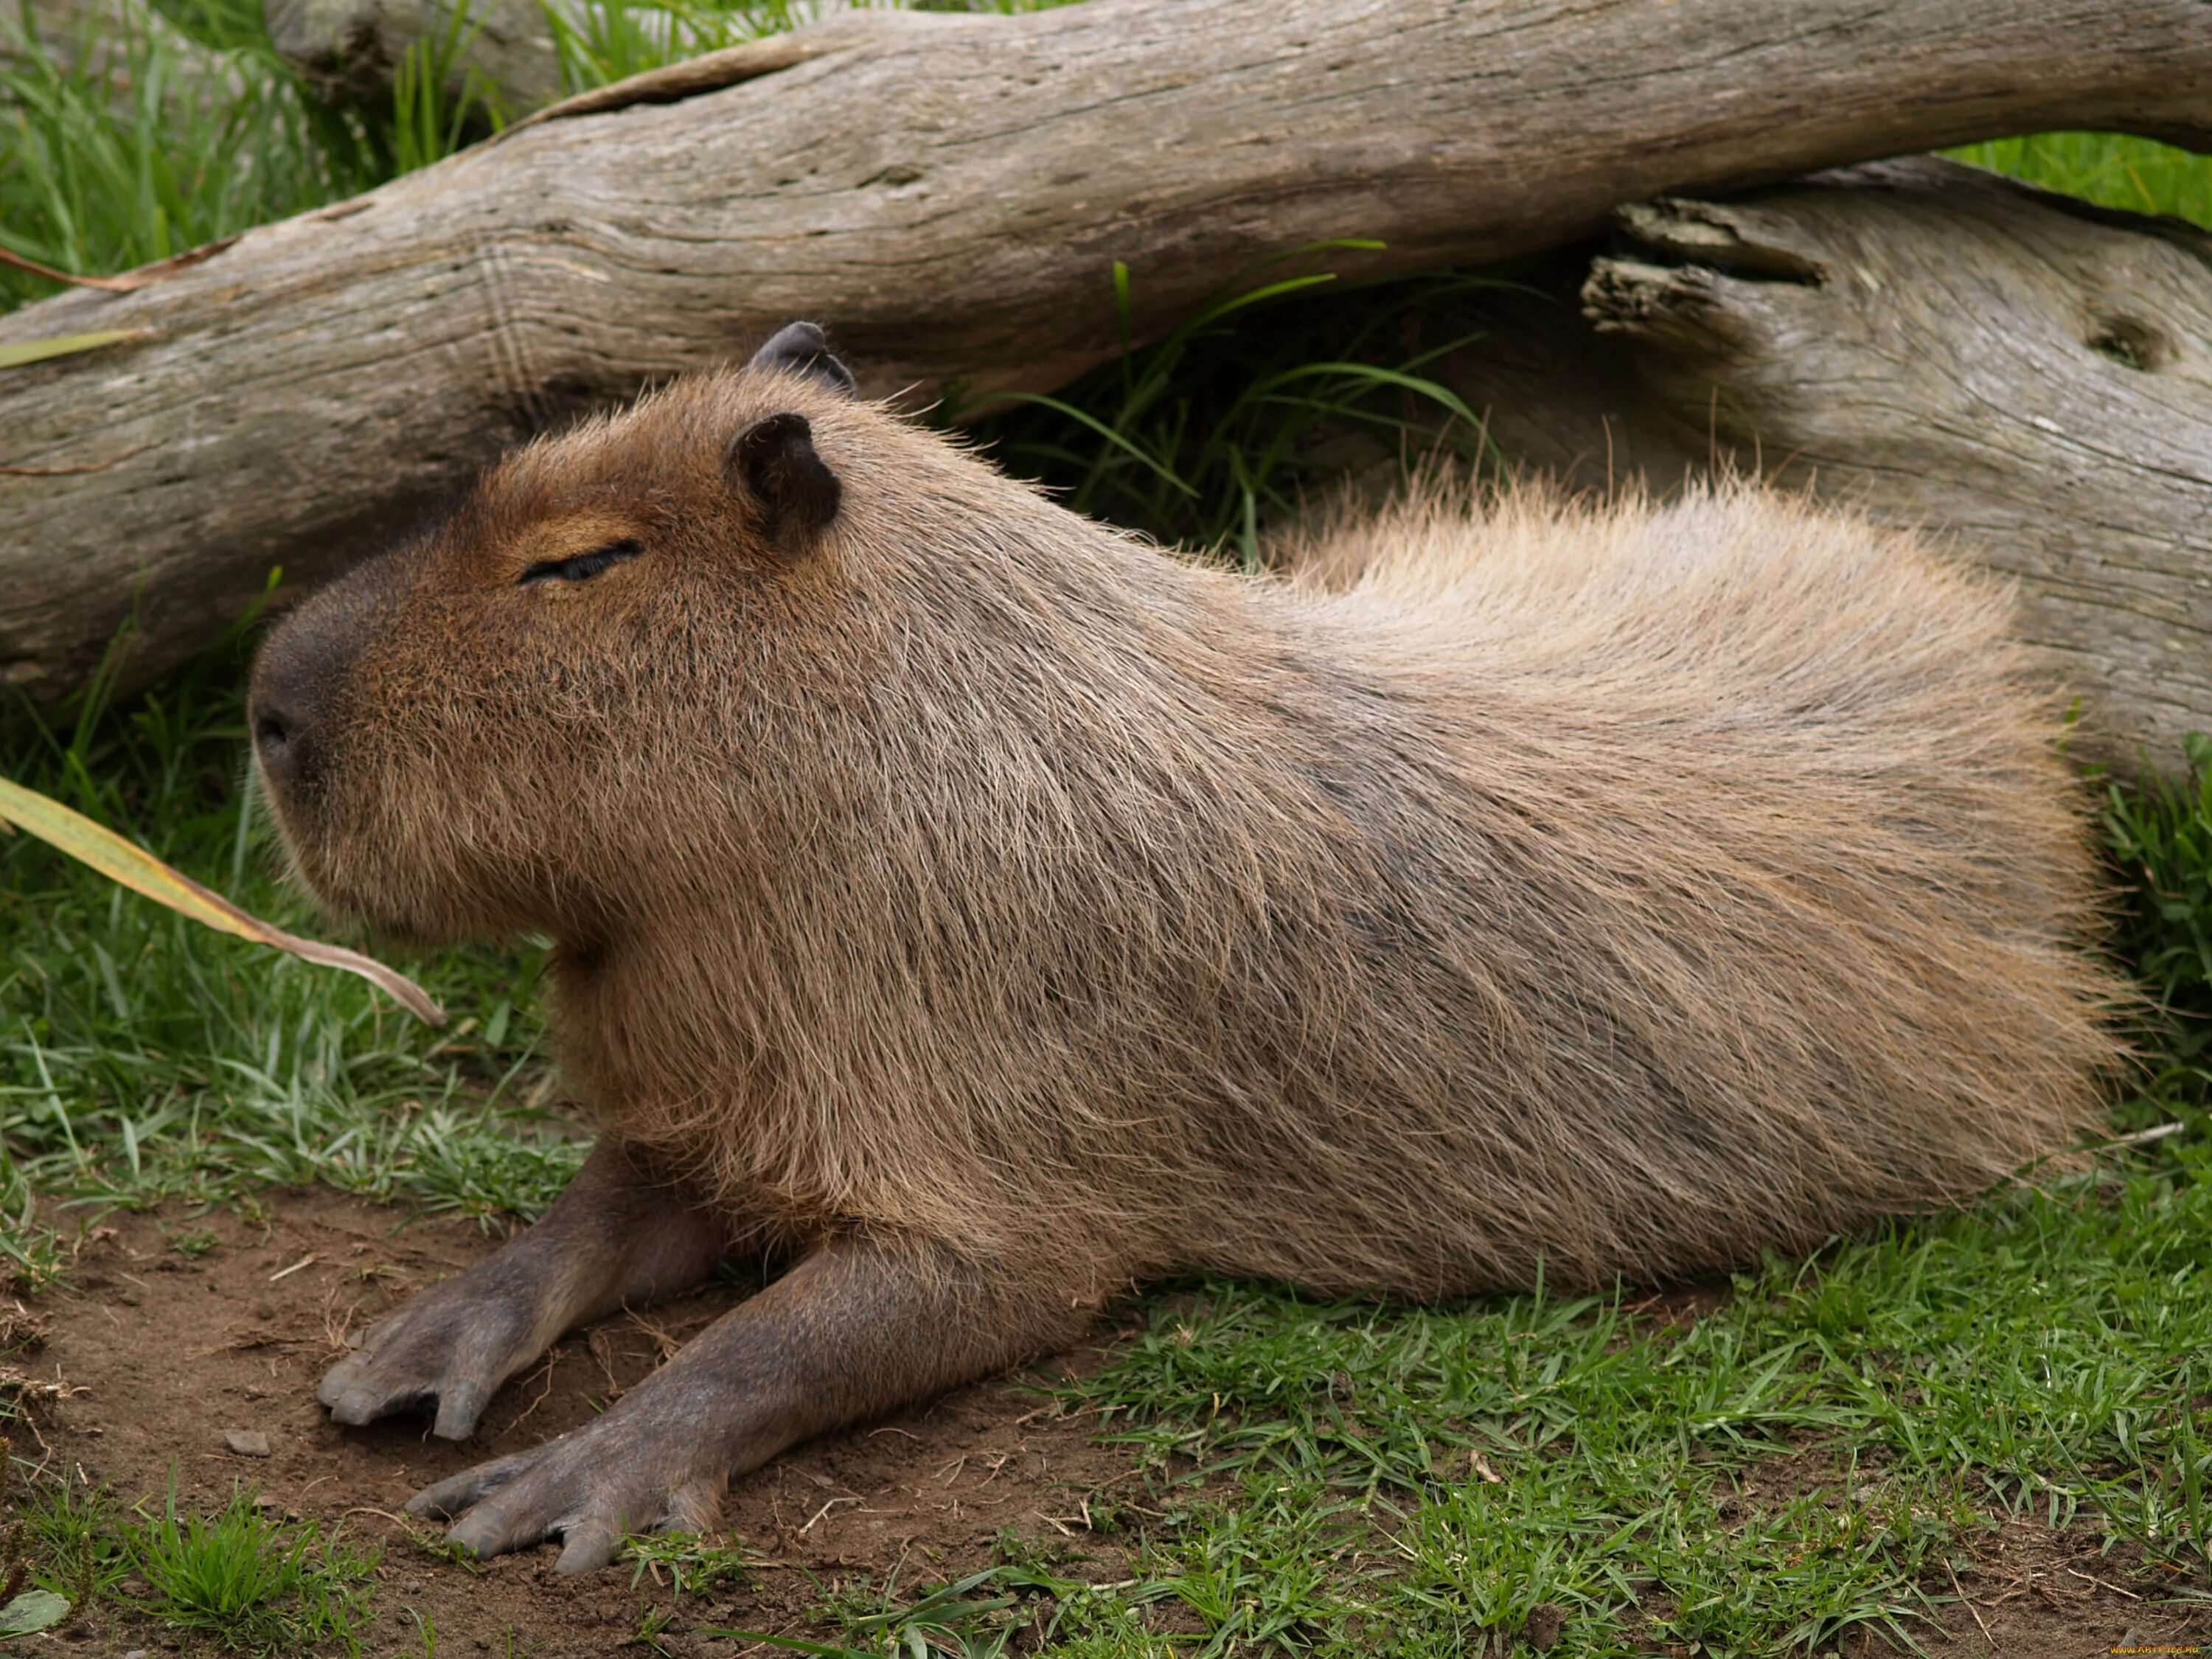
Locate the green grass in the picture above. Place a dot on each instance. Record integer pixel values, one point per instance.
(142, 1056)
(2161, 838)
(1270, 393)
(1804, 1458)
(105, 167)
(66, 1540)
(1826, 1450)
(981, 1616)
(2134, 173)
(251, 1583)
(687, 1563)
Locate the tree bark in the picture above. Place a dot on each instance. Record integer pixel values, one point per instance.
(948, 194)
(1943, 347)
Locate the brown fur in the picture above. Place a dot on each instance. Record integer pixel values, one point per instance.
(1615, 890)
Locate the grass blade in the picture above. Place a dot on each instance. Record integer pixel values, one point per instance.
(124, 861)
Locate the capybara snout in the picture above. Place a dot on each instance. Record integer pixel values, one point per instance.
(298, 677)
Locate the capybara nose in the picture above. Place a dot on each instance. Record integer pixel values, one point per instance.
(286, 706)
(294, 706)
(280, 704)
(274, 727)
(279, 740)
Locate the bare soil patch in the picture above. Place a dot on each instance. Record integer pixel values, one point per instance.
(165, 1358)
(2037, 1594)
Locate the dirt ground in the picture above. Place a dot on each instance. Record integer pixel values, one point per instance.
(172, 1355)
(163, 1357)
(2041, 1594)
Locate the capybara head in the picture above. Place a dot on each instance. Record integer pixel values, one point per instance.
(479, 732)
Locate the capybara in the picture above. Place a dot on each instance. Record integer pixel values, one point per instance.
(983, 910)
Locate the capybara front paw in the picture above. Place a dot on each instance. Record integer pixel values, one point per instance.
(591, 1488)
(453, 1345)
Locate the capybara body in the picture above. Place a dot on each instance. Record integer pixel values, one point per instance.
(1540, 888)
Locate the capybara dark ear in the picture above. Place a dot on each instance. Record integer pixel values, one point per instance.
(802, 349)
(773, 461)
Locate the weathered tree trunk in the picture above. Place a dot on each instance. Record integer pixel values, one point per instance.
(1946, 348)
(948, 195)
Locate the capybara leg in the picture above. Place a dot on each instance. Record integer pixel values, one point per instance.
(615, 1237)
(854, 1330)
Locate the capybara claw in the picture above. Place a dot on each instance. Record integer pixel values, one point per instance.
(454, 1496)
(459, 1405)
(356, 1396)
(358, 1409)
(451, 1347)
(626, 1472)
(587, 1548)
(359, 1391)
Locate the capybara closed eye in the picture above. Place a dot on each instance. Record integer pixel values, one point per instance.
(988, 910)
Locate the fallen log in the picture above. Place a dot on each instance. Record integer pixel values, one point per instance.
(1944, 347)
(948, 194)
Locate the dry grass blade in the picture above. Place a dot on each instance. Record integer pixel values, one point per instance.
(111, 284)
(129, 281)
(64, 345)
(140, 871)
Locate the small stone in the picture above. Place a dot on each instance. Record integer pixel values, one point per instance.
(137, 1653)
(246, 1442)
(1541, 1631)
(413, 1587)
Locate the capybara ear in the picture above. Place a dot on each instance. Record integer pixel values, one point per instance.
(802, 349)
(773, 461)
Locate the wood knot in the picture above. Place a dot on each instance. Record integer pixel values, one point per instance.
(2130, 342)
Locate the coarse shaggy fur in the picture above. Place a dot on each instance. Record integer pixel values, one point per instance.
(1593, 890)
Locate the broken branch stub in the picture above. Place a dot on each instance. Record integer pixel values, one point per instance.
(349, 50)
